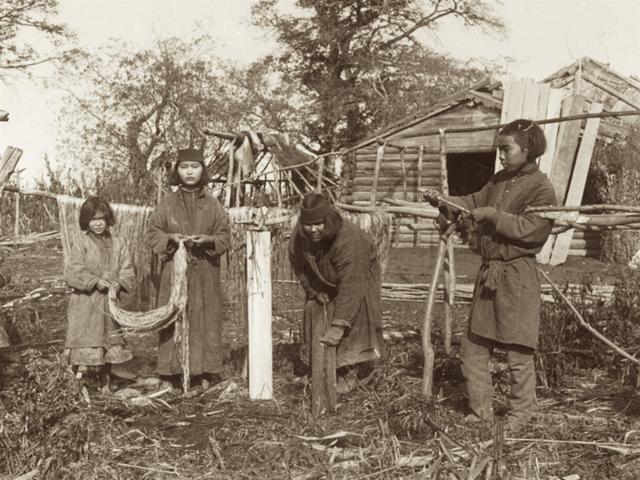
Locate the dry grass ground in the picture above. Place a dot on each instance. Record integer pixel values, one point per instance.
(589, 426)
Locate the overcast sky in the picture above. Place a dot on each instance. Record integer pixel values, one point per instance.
(544, 36)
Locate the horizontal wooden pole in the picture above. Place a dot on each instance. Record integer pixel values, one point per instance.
(37, 193)
(395, 166)
(389, 157)
(434, 132)
(418, 212)
(396, 181)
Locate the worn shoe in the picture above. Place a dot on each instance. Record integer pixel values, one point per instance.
(473, 418)
(346, 383)
(514, 425)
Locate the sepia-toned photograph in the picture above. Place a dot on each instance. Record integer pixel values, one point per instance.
(320, 239)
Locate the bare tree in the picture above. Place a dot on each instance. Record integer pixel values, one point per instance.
(20, 16)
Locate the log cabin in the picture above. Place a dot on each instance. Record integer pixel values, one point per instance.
(411, 154)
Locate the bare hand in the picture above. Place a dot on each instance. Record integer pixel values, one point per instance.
(177, 237)
(484, 214)
(202, 239)
(332, 336)
(103, 285)
(323, 299)
(432, 196)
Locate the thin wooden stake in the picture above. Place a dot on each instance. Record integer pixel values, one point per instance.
(376, 174)
(404, 174)
(429, 355)
(319, 400)
(238, 185)
(278, 183)
(418, 193)
(228, 192)
(443, 162)
(320, 174)
(449, 294)
(583, 322)
(16, 224)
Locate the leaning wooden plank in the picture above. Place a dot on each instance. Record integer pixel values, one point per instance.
(578, 180)
(544, 91)
(551, 130)
(530, 100)
(562, 165)
(567, 145)
(8, 163)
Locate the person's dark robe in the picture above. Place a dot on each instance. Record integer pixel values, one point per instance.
(192, 214)
(347, 269)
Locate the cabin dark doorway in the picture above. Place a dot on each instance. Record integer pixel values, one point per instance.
(469, 172)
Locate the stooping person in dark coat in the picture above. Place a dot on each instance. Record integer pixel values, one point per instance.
(192, 215)
(337, 265)
(505, 311)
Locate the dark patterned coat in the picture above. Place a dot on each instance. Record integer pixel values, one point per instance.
(346, 268)
(204, 305)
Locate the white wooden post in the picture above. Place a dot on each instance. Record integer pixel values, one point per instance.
(259, 314)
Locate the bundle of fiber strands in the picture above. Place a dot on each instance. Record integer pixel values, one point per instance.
(173, 312)
(131, 225)
(378, 225)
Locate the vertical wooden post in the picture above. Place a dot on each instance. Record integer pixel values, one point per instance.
(320, 174)
(323, 368)
(228, 192)
(418, 190)
(16, 222)
(259, 314)
(404, 174)
(376, 174)
(278, 184)
(159, 177)
(449, 270)
(449, 293)
(444, 178)
(429, 355)
(238, 185)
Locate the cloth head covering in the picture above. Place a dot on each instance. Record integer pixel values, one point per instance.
(314, 209)
(190, 155)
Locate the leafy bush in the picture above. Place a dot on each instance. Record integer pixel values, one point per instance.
(566, 346)
(614, 178)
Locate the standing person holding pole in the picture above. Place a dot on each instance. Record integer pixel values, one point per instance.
(505, 311)
(193, 216)
(337, 265)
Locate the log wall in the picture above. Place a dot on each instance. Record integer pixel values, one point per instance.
(408, 232)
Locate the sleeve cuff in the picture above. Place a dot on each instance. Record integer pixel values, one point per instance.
(499, 220)
(340, 323)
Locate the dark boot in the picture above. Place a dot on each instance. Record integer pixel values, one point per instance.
(477, 378)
